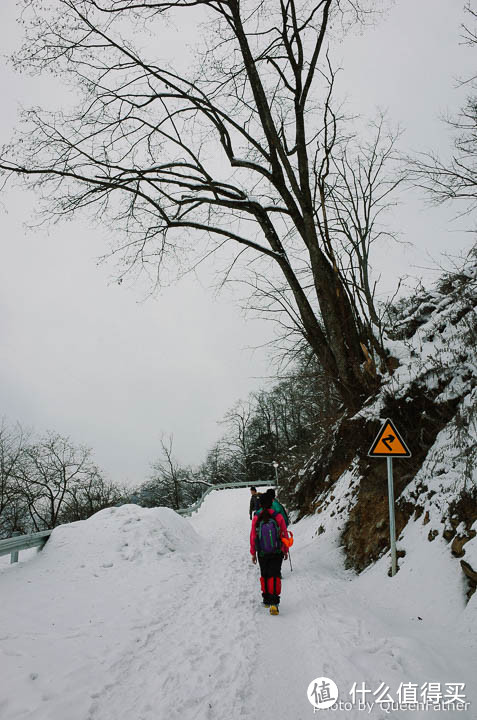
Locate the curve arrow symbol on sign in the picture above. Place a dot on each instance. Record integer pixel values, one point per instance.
(387, 440)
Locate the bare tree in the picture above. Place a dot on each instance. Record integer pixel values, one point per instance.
(87, 497)
(289, 416)
(52, 472)
(454, 178)
(13, 442)
(237, 440)
(237, 153)
(13, 511)
(170, 484)
(365, 180)
(48, 481)
(359, 182)
(219, 466)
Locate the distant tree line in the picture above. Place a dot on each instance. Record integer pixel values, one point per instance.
(48, 481)
(270, 426)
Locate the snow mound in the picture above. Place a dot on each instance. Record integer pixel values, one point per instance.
(126, 534)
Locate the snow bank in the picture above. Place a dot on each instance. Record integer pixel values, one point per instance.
(126, 534)
(76, 614)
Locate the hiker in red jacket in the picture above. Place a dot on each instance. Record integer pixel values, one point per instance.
(268, 529)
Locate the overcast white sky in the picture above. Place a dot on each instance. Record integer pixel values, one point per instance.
(89, 358)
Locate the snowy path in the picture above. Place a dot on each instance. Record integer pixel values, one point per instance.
(328, 627)
(184, 667)
(128, 618)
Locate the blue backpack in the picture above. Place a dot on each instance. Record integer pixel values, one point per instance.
(268, 538)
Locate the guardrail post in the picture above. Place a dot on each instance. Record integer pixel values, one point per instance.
(14, 553)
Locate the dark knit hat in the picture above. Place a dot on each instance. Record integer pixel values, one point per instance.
(266, 500)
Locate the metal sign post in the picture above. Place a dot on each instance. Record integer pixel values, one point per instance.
(390, 444)
(392, 518)
(275, 465)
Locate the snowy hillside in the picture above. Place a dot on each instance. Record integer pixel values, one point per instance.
(139, 614)
(432, 398)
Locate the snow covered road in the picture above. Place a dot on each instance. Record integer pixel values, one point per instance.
(143, 615)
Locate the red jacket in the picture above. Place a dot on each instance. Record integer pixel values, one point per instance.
(281, 525)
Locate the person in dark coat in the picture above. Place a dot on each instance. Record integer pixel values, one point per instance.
(254, 502)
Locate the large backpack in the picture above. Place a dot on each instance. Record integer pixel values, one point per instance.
(268, 535)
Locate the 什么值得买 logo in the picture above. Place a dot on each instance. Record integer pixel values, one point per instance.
(322, 693)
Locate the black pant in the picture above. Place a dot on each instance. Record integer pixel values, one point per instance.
(270, 581)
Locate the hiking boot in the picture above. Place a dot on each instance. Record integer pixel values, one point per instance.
(274, 610)
(266, 604)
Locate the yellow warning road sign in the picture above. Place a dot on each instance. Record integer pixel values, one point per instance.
(389, 443)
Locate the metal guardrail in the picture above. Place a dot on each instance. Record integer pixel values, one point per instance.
(223, 486)
(14, 544)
